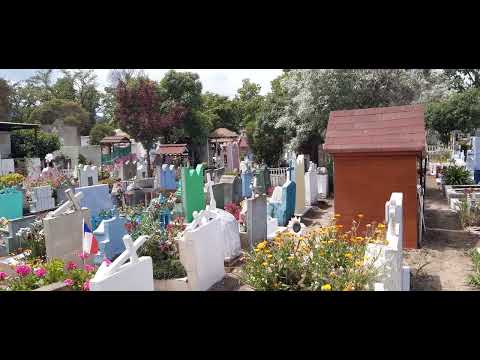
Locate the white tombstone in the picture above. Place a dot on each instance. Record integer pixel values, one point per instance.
(273, 229)
(136, 275)
(300, 185)
(41, 199)
(141, 170)
(7, 166)
(202, 251)
(87, 175)
(311, 187)
(63, 228)
(388, 258)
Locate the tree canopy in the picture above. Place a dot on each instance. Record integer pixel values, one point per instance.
(5, 105)
(70, 112)
(99, 131)
(24, 144)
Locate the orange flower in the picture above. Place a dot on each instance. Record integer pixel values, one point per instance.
(360, 216)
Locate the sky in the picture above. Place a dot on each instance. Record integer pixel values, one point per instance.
(225, 82)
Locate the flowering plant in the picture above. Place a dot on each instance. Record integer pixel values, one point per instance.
(10, 180)
(324, 259)
(233, 209)
(36, 273)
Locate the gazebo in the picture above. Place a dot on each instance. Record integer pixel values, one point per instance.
(114, 147)
(173, 154)
(376, 152)
(217, 138)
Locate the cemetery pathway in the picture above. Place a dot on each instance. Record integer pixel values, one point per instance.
(443, 262)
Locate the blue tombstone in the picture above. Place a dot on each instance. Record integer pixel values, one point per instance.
(168, 177)
(96, 198)
(284, 211)
(109, 235)
(247, 177)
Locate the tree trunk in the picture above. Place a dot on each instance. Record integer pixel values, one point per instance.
(149, 169)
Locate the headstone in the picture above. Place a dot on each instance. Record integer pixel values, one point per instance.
(7, 166)
(232, 188)
(256, 220)
(136, 275)
(12, 241)
(193, 197)
(166, 177)
(263, 179)
(87, 175)
(33, 166)
(219, 195)
(63, 230)
(11, 203)
(300, 185)
(322, 183)
(247, 178)
(202, 250)
(283, 210)
(96, 198)
(41, 199)
(233, 156)
(311, 187)
(109, 235)
(128, 170)
(141, 170)
(217, 174)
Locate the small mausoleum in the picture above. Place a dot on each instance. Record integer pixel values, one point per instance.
(114, 147)
(216, 140)
(176, 154)
(376, 152)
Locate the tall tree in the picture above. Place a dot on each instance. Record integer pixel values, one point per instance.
(463, 79)
(99, 131)
(5, 105)
(313, 94)
(460, 112)
(248, 102)
(145, 114)
(71, 113)
(124, 75)
(220, 112)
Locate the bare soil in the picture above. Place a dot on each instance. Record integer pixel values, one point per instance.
(443, 262)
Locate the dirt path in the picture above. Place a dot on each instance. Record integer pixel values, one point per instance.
(442, 263)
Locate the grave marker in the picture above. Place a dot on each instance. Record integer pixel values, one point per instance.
(256, 220)
(311, 187)
(232, 188)
(300, 185)
(87, 175)
(193, 197)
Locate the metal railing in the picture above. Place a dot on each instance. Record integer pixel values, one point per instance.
(278, 176)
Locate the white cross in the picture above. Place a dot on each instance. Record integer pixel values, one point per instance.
(209, 185)
(73, 201)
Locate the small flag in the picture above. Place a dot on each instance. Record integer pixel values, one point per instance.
(90, 244)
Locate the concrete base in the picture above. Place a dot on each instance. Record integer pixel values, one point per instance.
(303, 212)
(180, 284)
(278, 230)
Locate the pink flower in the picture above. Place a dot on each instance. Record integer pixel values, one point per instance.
(89, 268)
(3, 275)
(40, 272)
(83, 255)
(68, 282)
(23, 270)
(86, 286)
(71, 266)
(107, 261)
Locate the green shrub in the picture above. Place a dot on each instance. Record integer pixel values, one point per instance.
(456, 175)
(475, 278)
(24, 144)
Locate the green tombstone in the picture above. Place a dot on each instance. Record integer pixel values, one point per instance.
(263, 179)
(11, 203)
(193, 197)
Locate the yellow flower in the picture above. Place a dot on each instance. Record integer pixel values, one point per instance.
(358, 263)
(265, 264)
(332, 274)
(337, 215)
(349, 287)
(330, 241)
(381, 226)
(339, 226)
(261, 245)
(326, 287)
(290, 257)
(348, 255)
(269, 256)
(360, 216)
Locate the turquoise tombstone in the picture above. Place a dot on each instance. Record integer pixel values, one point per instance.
(193, 197)
(11, 203)
(284, 211)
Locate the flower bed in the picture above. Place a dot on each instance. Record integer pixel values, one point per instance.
(53, 275)
(323, 259)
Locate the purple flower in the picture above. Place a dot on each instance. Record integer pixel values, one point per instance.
(40, 272)
(68, 282)
(23, 270)
(107, 261)
(3, 275)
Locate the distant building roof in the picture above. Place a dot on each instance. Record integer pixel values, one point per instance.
(243, 143)
(10, 126)
(223, 133)
(396, 128)
(116, 139)
(172, 149)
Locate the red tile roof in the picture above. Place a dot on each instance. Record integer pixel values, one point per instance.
(172, 149)
(243, 142)
(222, 133)
(395, 128)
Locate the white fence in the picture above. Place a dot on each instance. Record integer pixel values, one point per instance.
(392, 275)
(278, 176)
(439, 148)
